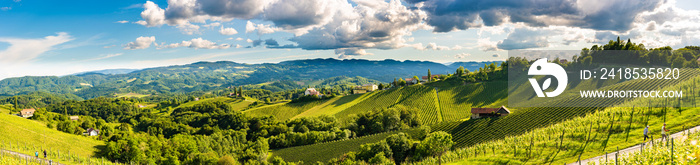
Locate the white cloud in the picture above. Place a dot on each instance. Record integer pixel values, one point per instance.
(140, 43)
(197, 43)
(462, 55)
(122, 21)
(249, 40)
(22, 50)
(260, 28)
(153, 15)
(142, 22)
(228, 31)
(239, 39)
(349, 52)
(485, 44)
(5, 8)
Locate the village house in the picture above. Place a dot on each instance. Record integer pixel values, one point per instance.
(92, 132)
(411, 81)
(435, 77)
(312, 91)
(74, 118)
(142, 106)
(489, 112)
(25, 113)
(365, 88)
(196, 99)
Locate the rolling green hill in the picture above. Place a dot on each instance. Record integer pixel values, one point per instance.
(587, 135)
(27, 136)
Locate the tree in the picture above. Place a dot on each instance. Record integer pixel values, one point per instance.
(267, 100)
(381, 86)
(415, 78)
(400, 145)
(430, 76)
(15, 104)
(435, 144)
(227, 160)
(460, 71)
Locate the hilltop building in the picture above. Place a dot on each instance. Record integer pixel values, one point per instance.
(365, 88)
(25, 113)
(311, 91)
(489, 112)
(92, 132)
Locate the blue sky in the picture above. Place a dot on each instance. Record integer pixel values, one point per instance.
(63, 37)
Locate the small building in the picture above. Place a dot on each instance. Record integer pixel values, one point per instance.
(435, 77)
(142, 106)
(411, 81)
(74, 118)
(196, 99)
(489, 112)
(92, 132)
(27, 112)
(370, 87)
(311, 91)
(365, 88)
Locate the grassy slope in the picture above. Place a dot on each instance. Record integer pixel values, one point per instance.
(326, 151)
(235, 103)
(587, 136)
(33, 135)
(283, 111)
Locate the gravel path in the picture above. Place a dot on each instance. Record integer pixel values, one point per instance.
(26, 157)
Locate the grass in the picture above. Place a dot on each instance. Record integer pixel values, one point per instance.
(586, 135)
(283, 111)
(136, 95)
(323, 152)
(235, 103)
(27, 136)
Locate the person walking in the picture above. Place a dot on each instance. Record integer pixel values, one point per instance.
(36, 153)
(646, 133)
(44, 153)
(663, 132)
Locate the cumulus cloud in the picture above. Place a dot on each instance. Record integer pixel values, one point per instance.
(22, 50)
(197, 43)
(618, 15)
(260, 28)
(122, 21)
(227, 31)
(523, 38)
(462, 55)
(152, 15)
(370, 24)
(239, 39)
(349, 52)
(140, 43)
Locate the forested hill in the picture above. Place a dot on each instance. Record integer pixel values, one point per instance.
(206, 76)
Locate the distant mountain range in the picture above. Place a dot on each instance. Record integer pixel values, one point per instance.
(205, 76)
(109, 71)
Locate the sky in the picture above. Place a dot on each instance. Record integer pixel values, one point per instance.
(48, 37)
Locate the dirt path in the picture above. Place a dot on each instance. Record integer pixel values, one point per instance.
(611, 156)
(31, 158)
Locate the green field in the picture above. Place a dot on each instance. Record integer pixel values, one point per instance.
(325, 151)
(587, 134)
(235, 103)
(282, 111)
(27, 136)
(136, 95)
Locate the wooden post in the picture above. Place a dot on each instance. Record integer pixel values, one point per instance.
(617, 153)
(671, 150)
